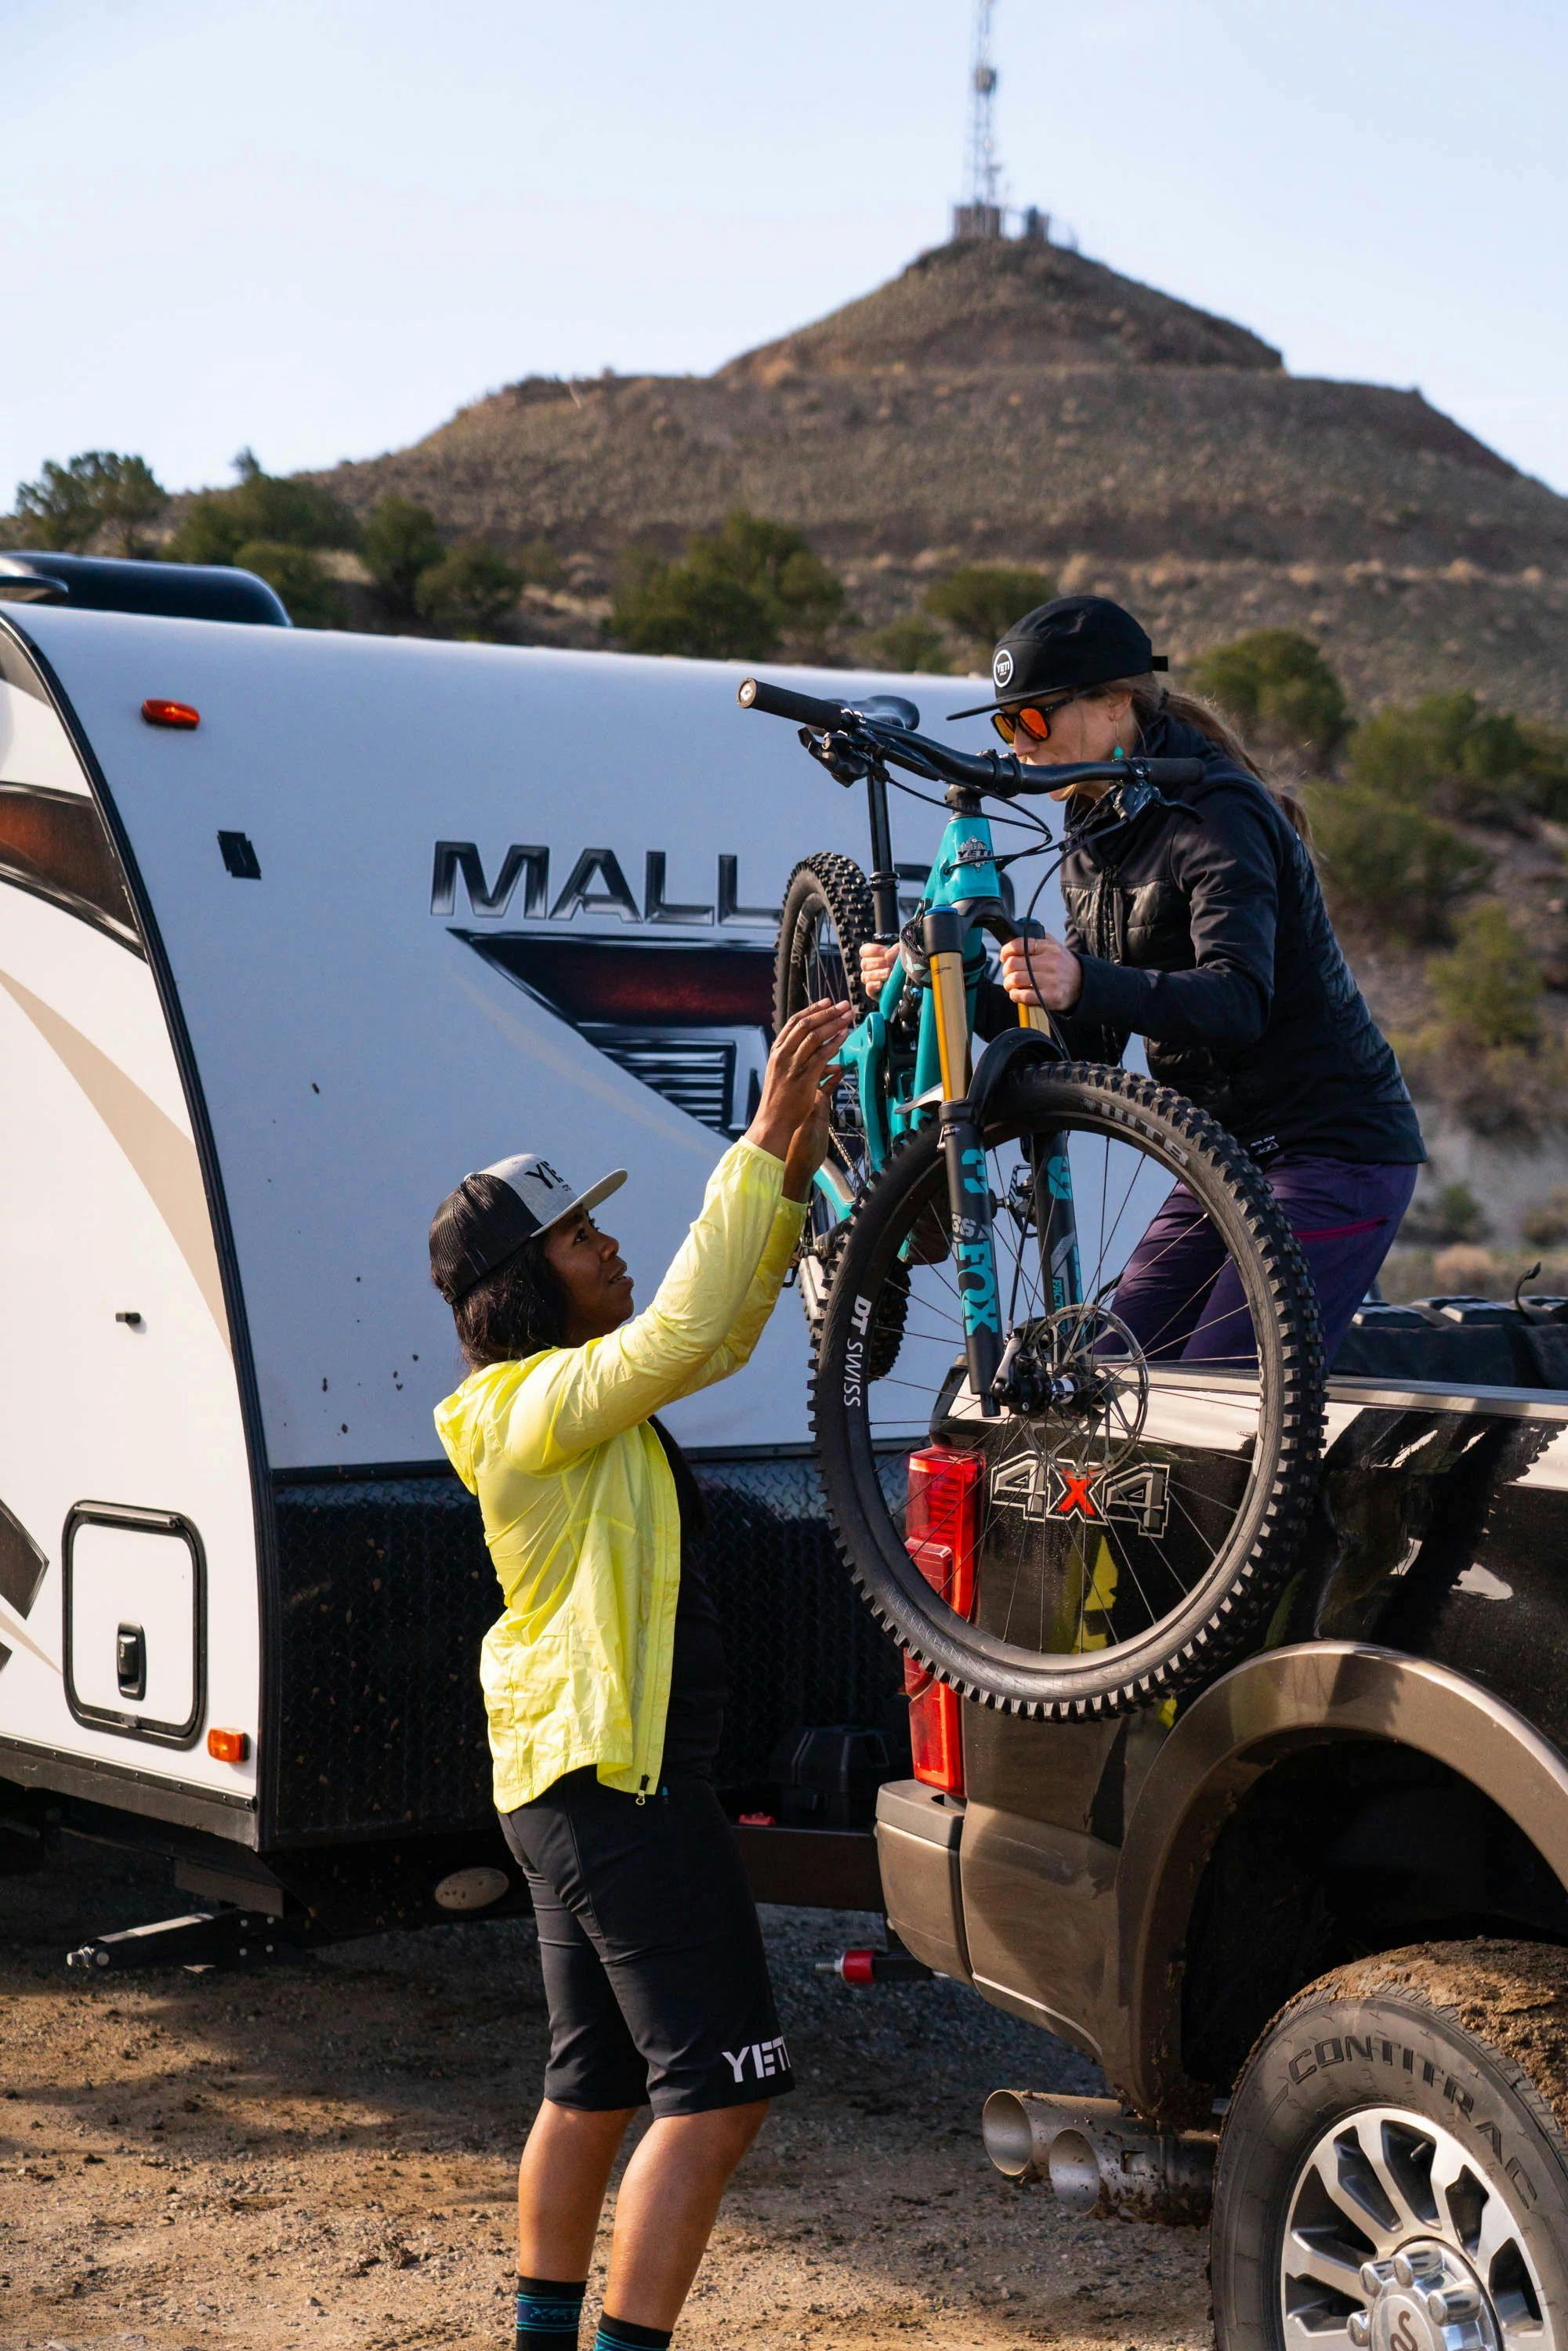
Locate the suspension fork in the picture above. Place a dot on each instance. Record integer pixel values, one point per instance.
(1055, 1218)
(964, 1155)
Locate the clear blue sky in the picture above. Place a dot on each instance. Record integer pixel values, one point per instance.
(318, 226)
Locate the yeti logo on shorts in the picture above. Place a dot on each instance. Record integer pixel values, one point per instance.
(764, 2057)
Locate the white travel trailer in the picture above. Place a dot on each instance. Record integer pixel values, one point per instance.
(271, 979)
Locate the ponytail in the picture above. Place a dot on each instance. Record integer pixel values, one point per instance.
(1152, 699)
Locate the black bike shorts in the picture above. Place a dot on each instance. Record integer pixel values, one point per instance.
(653, 1957)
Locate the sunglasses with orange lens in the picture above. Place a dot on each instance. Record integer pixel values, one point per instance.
(1031, 718)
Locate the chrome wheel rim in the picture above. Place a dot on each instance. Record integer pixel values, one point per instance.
(1397, 2239)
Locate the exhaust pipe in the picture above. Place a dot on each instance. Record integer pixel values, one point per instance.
(1099, 2158)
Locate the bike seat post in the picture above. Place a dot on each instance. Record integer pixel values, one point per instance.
(884, 875)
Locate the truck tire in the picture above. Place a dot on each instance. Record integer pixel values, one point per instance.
(1394, 2166)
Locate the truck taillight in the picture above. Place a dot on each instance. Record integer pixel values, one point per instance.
(940, 1525)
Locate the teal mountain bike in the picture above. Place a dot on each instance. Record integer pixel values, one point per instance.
(1058, 1494)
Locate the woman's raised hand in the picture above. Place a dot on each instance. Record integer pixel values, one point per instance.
(1041, 971)
(801, 1059)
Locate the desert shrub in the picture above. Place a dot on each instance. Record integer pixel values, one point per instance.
(1450, 754)
(1389, 867)
(98, 491)
(738, 593)
(693, 608)
(260, 508)
(539, 564)
(1500, 1090)
(911, 642)
(1465, 1271)
(1278, 685)
(983, 600)
(1450, 1213)
(313, 598)
(400, 544)
(776, 562)
(1545, 778)
(472, 592)
(1545, 1224)
(1489, 988)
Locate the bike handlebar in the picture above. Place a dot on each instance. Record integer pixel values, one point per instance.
(1171, 771)
(806, 709)
(1097, 772)
(1001, 774)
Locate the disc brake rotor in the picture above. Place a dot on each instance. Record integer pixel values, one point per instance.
(1080, 1368)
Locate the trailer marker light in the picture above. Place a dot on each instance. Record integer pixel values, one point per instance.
(229, 1746)
(940, 1535)
(159, 711)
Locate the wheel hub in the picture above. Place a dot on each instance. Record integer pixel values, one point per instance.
(1080, 1363)
(1427, 2298)
(1398, 2238)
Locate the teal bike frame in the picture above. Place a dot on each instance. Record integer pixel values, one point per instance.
(898, 1091)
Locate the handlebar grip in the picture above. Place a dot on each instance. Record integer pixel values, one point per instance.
(780, 701)
(1173, 771)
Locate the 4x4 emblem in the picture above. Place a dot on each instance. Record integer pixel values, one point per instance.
(1042, 1488)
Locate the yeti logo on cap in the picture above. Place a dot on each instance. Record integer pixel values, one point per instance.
(1002, 668)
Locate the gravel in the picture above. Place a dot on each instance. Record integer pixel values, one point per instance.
(323, 2154)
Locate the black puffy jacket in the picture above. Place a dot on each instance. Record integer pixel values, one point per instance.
(1203, 929)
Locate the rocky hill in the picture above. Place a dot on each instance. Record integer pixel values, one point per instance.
(1027, 305)
(1020, 403)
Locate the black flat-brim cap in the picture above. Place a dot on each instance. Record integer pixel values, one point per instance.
(1074, 641)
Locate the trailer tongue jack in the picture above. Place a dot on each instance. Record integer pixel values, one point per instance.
(202, 1938)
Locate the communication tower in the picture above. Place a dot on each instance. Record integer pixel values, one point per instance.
(980, 212)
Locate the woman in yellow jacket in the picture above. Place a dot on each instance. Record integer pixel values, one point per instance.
(604, 1687)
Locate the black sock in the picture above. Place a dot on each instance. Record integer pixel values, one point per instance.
(625, 2335)
(550, 2312)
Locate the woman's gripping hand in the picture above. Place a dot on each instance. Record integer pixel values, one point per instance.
(1034, 971)
(1042, 972)
(876, 963)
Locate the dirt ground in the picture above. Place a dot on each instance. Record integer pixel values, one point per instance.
(323, 2155)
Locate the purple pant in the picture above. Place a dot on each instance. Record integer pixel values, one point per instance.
(1180, 1294)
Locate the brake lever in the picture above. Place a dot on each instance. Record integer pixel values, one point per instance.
(1123, 804)
(846, 760)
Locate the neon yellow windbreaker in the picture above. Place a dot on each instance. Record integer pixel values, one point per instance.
(578, 1503)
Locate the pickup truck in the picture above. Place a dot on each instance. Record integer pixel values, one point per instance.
(1311, 1919)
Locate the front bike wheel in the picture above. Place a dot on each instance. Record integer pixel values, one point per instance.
(827, 918)
(1128, 1516)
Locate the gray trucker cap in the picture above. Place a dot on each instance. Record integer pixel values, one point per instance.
(498, 1211)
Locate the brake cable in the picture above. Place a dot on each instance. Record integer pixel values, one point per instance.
(1020, 824)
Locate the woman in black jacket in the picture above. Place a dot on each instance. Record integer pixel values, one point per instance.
(1202, 928)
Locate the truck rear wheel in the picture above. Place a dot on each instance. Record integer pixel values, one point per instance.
(1393, 2168)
